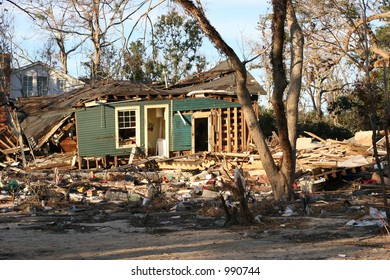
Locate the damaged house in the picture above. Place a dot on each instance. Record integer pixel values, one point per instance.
(40, 79)
(36, 79)
(9, 136)
(107, 122)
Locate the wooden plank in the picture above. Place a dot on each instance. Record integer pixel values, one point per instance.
(237, 155)
(13, 150)
(235, 130)
(12, 168)
(60, 165)
(11, 142)
(5, 144)
(220, 127)
(228, 130)
(212, 131)
(315, 136)
(374, 186)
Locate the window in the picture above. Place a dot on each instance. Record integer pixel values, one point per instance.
(61, 85)
(127, 127)
(42, 85)
(27, 87)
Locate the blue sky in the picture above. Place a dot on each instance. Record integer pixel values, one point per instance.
(235, 20)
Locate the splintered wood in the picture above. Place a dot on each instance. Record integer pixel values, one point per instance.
(331, 154)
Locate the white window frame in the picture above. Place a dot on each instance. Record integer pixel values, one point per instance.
(137, 127)
(27, 88)
(42, 88)
(61, 84)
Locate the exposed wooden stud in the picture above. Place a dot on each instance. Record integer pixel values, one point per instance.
(212, 130)
(228, 130)
(10, 142)
(235, 130)
(220, 127)
(5, 144)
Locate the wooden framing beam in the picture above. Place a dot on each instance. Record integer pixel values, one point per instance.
(235, 130)
(220, 131)
(5, 144)
(228, 130)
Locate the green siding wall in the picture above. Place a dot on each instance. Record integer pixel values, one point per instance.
(96, 129)
(182, 133)
(181, 136)
(96, 125)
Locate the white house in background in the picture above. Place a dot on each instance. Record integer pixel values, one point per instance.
(39, 79)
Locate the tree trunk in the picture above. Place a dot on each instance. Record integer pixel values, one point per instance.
(63, 56)
(280, 177)
(294, 91)
(96, 41)
(281, 187)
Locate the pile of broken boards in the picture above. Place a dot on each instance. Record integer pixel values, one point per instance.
(320, 161)
(324, 158)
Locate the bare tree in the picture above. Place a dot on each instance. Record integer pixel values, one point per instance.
(367, 36)
(18, 6)
(262, 47)
(99, 21)
(6, 31)
(334, 46)
(281, 176)
(57, 18)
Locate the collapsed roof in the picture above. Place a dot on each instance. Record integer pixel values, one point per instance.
(42, 116)
(220, 79)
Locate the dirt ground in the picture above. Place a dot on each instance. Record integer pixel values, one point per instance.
(193, 230)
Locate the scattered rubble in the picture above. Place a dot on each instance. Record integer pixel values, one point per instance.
(320, 161)
(335, 179)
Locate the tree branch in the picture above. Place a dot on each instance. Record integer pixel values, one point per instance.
(21, 8)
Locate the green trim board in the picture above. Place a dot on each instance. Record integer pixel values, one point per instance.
(196, 104)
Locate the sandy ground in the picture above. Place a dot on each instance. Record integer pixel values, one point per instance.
(193, 232)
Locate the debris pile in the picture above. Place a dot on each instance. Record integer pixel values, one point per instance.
(208, 189)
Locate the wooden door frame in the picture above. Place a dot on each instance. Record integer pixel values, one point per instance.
(167, 127)
(202, 115)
